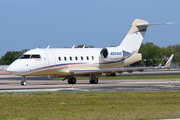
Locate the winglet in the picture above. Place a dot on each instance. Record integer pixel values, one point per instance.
(169, 61)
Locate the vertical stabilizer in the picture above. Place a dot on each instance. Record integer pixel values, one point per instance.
(133, 39)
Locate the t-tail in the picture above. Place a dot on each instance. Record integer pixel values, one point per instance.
(134, 37)
(130, 44)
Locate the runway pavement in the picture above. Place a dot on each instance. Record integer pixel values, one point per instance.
(11, 83)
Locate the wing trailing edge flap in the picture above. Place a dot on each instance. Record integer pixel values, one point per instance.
(118, 70)
(121, 70)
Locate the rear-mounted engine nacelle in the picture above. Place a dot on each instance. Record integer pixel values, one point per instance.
(111, 54)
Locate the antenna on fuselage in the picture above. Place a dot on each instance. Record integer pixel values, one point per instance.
(84, 46)
(73, 46)
(48, 47)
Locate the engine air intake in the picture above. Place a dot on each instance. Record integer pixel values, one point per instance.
(104, 53)
(111, 53)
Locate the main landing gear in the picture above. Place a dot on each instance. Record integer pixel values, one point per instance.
(93, 79)
(71, 80)
(23, 82)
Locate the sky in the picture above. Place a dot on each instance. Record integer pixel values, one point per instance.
(27, 24)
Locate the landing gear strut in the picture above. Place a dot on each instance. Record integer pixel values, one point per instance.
(71, 80)
(93, 79)
(23, 82)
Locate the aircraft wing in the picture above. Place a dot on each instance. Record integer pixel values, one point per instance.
(121, 70)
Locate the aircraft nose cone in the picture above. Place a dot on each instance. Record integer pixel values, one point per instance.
(16, 67)
(9, 69)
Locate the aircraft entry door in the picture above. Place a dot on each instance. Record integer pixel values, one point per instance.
(50, 58)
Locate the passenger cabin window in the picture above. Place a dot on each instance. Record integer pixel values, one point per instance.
(35, 57)
(65, 58)
(87, 58)
(70, 58)
(76, 58)
(81, 58)
(59, 58)
(92, 57)
(25, 57)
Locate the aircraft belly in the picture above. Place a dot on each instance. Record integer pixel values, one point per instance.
(65, 72)
(83, 67)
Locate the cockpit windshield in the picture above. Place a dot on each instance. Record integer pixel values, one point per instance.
(35, 56)
(30, 56)
(25, 57)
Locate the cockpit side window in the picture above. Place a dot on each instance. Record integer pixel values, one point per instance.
(30, 56)
(35, 57)
(25, 57)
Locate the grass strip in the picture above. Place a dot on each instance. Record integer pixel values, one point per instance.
(130, 77)
(115, 105)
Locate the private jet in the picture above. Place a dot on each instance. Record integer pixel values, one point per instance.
(92, 62)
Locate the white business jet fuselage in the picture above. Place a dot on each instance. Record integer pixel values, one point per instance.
(69, 62)
(59, 62)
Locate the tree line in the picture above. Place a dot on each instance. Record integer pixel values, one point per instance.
(10, 56)
(152, 54)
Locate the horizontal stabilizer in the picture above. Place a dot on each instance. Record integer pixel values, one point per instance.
(150, 24)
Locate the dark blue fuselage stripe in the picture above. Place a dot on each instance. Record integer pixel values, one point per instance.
(142, 30)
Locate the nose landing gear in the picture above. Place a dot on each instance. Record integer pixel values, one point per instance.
(23, 82)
